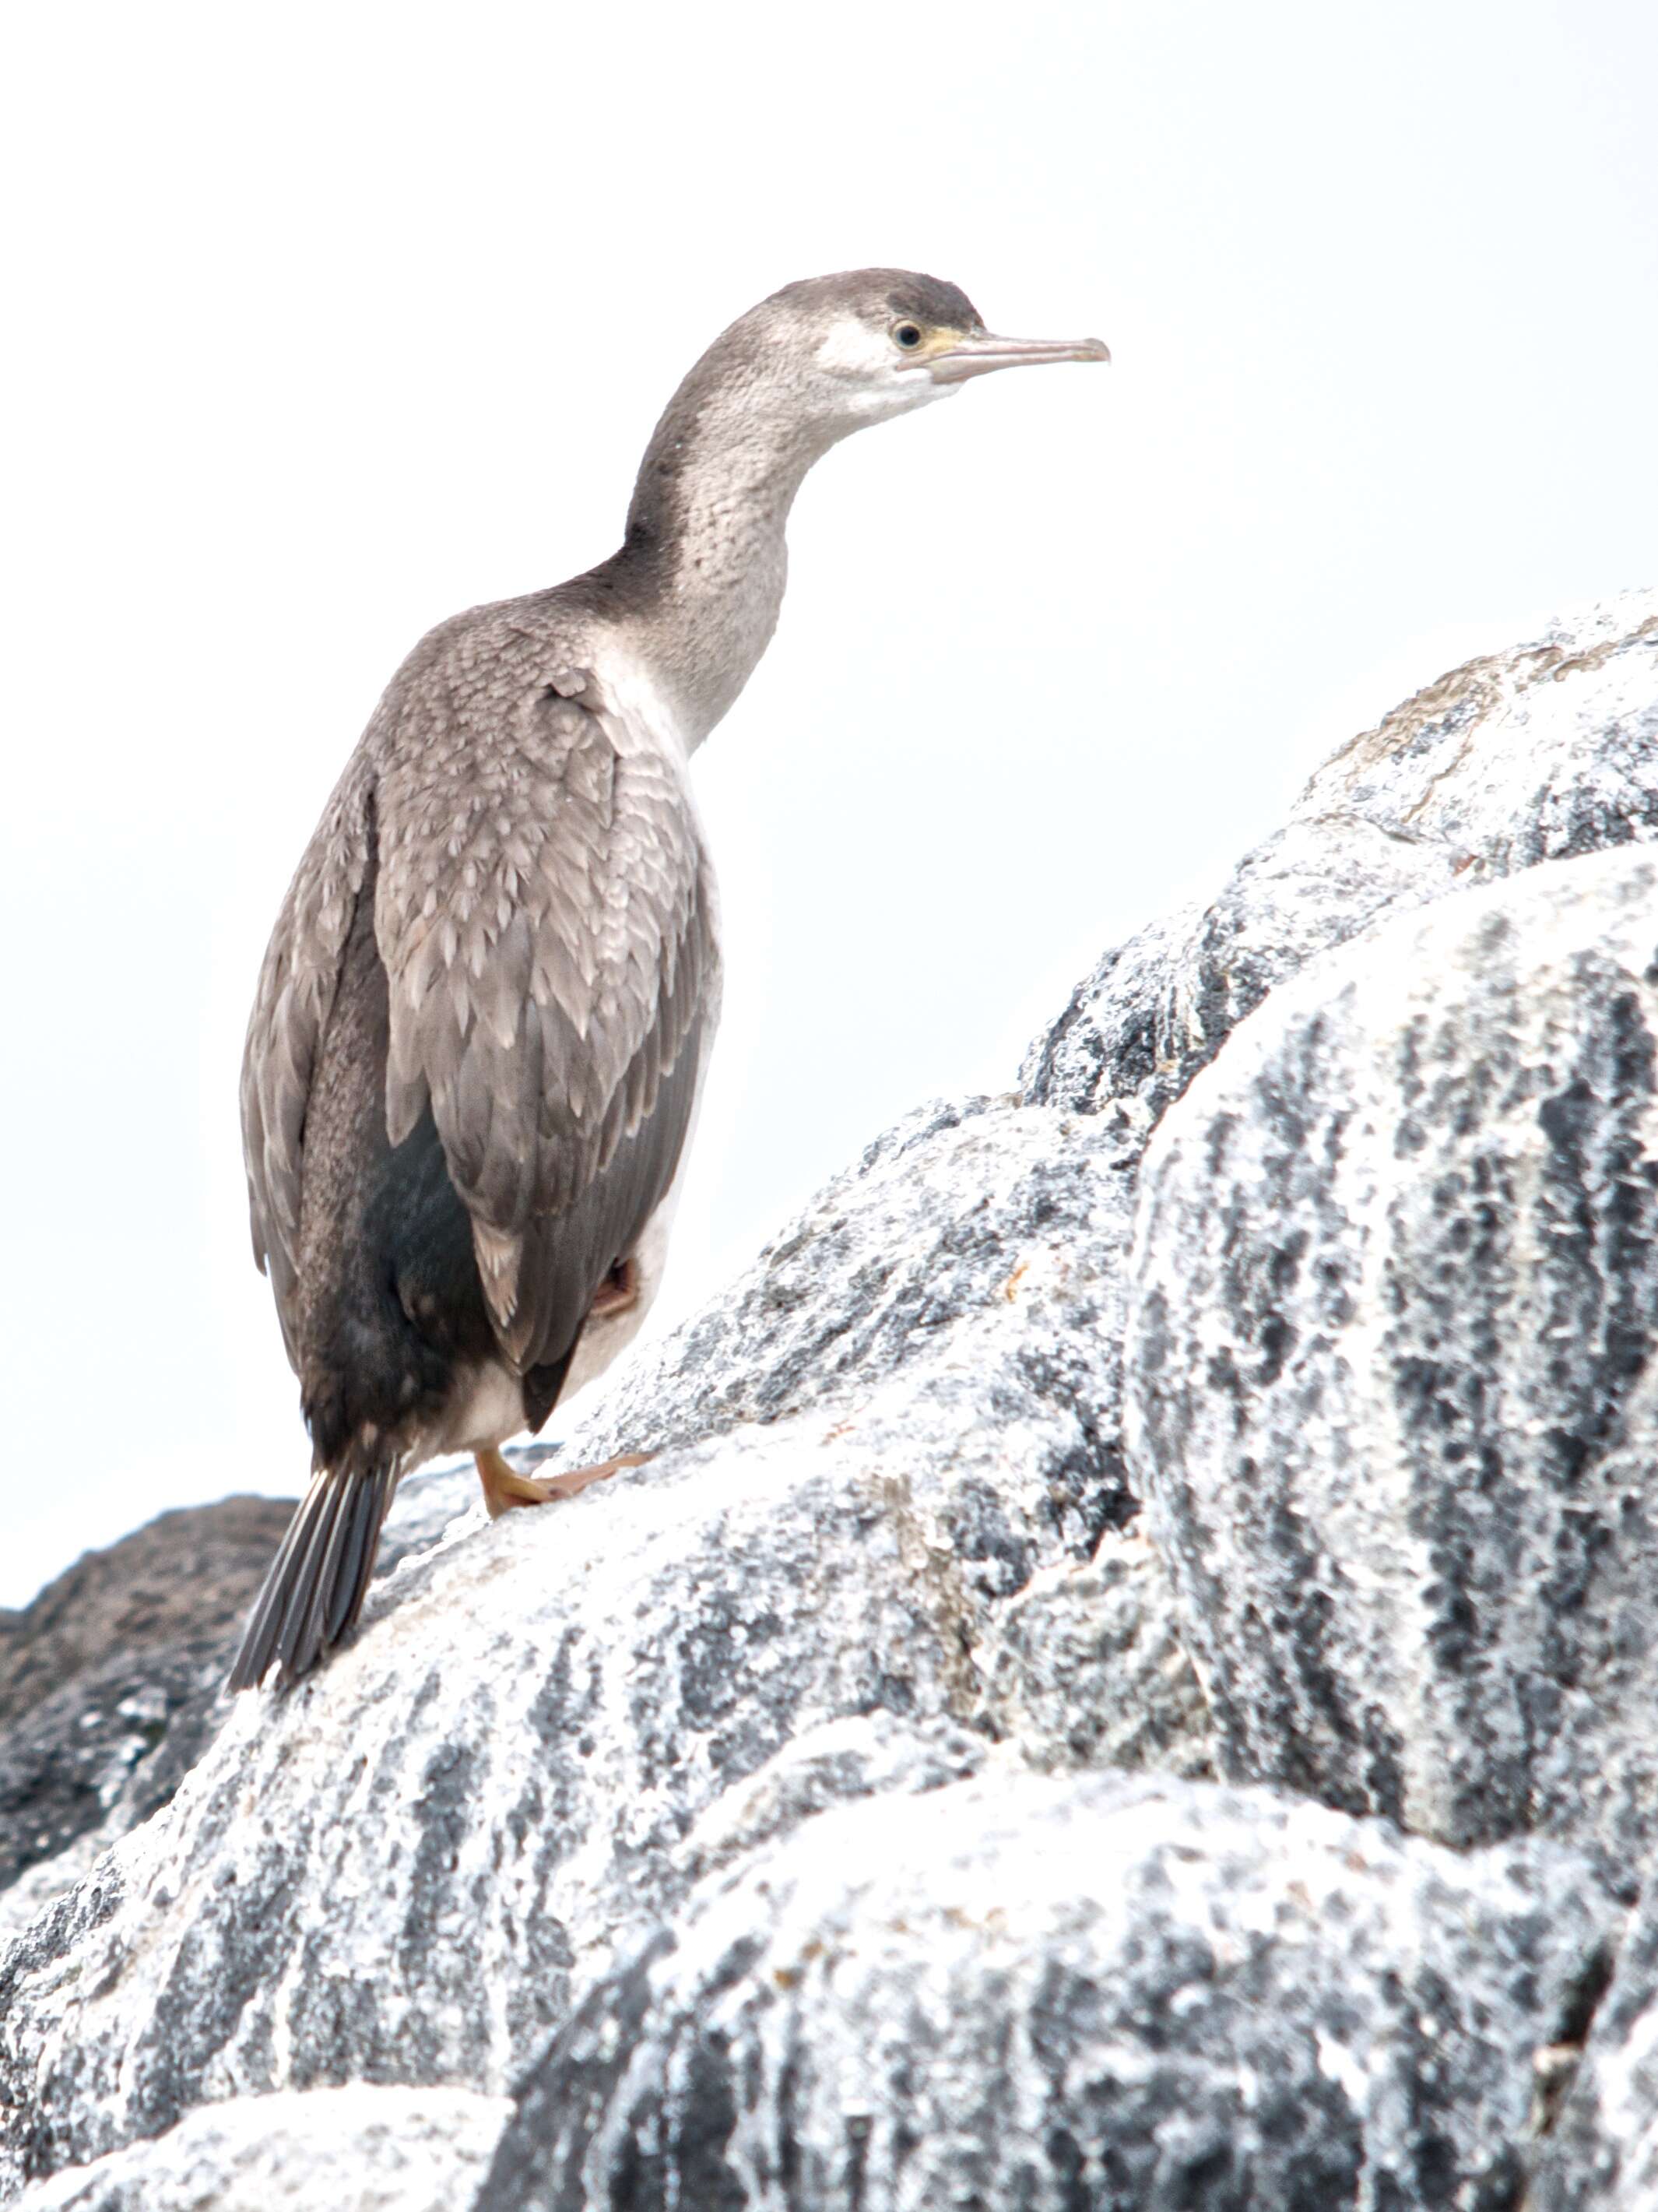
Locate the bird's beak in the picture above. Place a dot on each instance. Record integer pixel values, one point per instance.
(977, 356)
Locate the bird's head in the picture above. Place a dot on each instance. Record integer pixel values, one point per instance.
(853, 348)
(784, 382)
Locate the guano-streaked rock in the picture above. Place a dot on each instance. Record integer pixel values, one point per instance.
(410, 1869)
(1540, 753)
(1102, 1993)
(1392, 1389)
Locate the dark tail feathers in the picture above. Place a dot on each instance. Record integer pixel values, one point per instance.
(315, 1589)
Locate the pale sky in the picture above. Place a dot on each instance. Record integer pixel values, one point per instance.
(327, 321)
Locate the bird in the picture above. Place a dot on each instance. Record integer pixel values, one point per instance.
(481, 1027)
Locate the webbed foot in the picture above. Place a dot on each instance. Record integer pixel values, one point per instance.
(504, 1487)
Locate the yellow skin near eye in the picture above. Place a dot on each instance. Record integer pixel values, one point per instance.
(935, 339)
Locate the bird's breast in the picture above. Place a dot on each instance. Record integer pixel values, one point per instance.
(640, 713)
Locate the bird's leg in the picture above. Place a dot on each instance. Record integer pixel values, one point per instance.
(618, 1292)
(503, 1486)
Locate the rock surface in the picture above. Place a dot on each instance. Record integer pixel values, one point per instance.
(110, 1686)
(358, 2149)
(1084, 1668)
(808, 1740)
(1603, 2154)
(1020, 1992)
(1538, 754)
(541, 1712)
(972, 1260)
(1391, 1385)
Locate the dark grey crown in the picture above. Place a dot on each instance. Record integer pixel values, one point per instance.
(880, 292)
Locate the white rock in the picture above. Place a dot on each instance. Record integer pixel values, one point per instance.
(360, 2149)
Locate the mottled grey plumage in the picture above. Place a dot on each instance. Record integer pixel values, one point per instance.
(473, 1061)
(542, 910)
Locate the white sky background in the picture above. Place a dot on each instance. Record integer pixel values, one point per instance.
(328, 321)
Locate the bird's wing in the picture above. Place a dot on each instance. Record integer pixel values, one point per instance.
(544, 911)
(295, 996)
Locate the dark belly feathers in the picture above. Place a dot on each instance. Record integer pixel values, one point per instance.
(391, 1312)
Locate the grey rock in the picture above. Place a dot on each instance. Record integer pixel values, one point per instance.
(973, 1254)
(110, 1686)
(111, 1682)
(1391, 1386)
(409, 1870)
(865, 1755)
(772, 1790)
(361, 2149)
(1541, 753)
(1602, 2154)
(184, 1576)
(1067, 1992)
(1083, 1667)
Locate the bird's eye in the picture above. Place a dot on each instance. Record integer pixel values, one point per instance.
(908, 335)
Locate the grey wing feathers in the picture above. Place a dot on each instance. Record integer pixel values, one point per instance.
(295, 996)
(545, 912)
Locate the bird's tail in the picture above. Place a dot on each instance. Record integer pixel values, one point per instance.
(315, 1589)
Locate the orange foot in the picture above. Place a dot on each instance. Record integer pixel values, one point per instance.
(503, 1486)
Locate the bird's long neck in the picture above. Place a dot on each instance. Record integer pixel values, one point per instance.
(699, 580)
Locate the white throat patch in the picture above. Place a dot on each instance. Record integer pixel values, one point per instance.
(874, 381)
